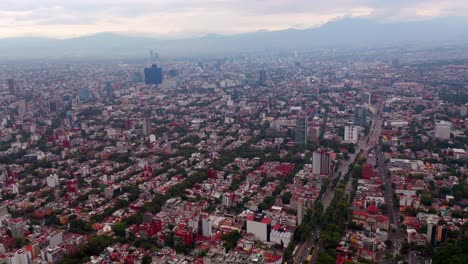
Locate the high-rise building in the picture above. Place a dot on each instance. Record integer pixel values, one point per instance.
(351, 133)
(442, 130)
(146, 126)
(83, 94)
(109, 89)
(136, 77)
(17, 227)
(259, 226)
(153, 75)
(360, 116)
(314, 134)
(11, 86)
(301, 131)
(436, 234)
(22, 107)
(263, 77)
(366, 98)
(321, 162)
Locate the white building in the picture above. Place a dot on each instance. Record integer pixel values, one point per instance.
(21, 256)
(280, 236)
(53, 181)
(207, 230)
(442, 130)
(259, 227)
(351, 133)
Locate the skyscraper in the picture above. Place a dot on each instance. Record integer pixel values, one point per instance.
(11, 86)
(109, 89)
(153, 75)
(321, 162)
(17, 227)
(146, 126)
(301, 131)
(366, 98)
(83, 94)
(263, 77)
(360, 116)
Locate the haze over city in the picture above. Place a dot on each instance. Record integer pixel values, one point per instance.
(233, 132)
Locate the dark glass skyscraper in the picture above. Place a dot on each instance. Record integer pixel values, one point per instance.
(360, 116)
(301, 131)
(11, 86)
(109, 89)
(153, 75)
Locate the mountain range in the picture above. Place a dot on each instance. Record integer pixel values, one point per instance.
(348, 32)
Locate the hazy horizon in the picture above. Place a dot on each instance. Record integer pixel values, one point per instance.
(194, 18)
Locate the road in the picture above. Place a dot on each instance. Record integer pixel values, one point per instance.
(363, 145)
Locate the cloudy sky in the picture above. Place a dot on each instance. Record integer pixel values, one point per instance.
(182, 18)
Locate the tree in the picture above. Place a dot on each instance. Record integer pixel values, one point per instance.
(119, 228)
(426, 199)
(388, 243)
(286, 197)
(230, 240)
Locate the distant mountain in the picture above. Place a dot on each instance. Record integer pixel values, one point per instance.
(341, 33)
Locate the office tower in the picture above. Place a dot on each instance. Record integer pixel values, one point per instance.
(321, 162)
(83, 94)
(263, 77)
(366, 98)
(301, 131)
(360, 116)
(442, 130)
(146, 126)
(11, 86)
(153, 75)
(351, 133)
(109, 89)
(22, 107)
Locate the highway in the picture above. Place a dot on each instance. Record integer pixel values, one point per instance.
(363, 145)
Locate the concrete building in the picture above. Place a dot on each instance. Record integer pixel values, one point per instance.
(321, 162)
(52, 254)
(17, 227)
(53, 181)
(147, 126)
(442, 130)
(351, 133)
(259, 226)
(366, 98)
(206, 227)
(314, 134)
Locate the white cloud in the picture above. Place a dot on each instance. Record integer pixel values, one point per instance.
(174, 18)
